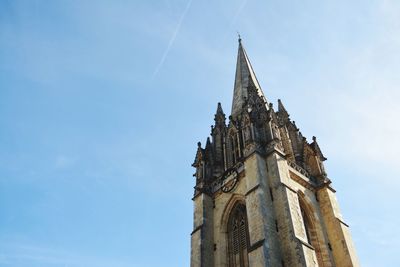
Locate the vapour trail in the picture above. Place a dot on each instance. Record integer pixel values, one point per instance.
(233, 21)
(171, 41)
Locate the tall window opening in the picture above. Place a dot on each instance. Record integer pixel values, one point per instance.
(307, 225)
(237, 148)
(311, 233)
(233, 148)
(238, 237)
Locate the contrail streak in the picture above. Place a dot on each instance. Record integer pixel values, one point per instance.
(234, 19)
(171, 41)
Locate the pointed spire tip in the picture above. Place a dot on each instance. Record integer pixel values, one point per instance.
(244, 77)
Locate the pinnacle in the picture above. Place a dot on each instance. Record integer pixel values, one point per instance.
(281, 107)
(282, 110)
(219, 116)
(219, 109)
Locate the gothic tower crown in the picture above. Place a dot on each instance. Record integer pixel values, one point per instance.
(254, 126)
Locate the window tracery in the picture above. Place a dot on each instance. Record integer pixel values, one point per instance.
(238, 237)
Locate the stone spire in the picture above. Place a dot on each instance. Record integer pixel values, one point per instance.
(244, 75)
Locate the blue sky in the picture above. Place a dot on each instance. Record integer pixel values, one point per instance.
(102, 104)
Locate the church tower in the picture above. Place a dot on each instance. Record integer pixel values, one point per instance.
(262, 196)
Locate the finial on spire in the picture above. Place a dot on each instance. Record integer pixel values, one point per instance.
(239, 38)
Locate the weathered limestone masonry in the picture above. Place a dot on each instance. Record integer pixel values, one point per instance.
(262, 196)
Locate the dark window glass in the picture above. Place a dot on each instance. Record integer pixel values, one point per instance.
(238, 237)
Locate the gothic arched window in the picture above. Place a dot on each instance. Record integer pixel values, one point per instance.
(232, 148)
(237, 148)
(310, 228)
(238, 237)
(307, 225)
